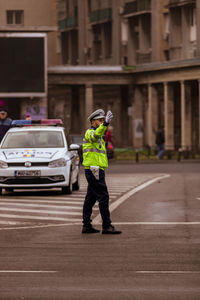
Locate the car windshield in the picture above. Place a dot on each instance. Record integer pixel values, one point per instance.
(33, 139)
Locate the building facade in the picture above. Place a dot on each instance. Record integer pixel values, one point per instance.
(139, 58)
(30, 17)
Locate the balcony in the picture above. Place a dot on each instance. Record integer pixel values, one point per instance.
(143, 57)
(67, 23)
(101, 15)
(174, 3)
(137, 6)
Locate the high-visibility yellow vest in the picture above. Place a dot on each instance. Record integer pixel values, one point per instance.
(94, 148)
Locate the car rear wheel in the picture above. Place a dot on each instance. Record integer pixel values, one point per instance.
(75, 185)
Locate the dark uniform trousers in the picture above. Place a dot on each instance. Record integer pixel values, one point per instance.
(96, 191)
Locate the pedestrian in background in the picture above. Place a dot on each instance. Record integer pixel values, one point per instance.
(95, 161)
(108, 135)
(160, 142)
(109, 142)
(28, 117)
(5, 122)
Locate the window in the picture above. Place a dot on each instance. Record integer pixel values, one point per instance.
(15, 17)
(193, 25)
(166, 30)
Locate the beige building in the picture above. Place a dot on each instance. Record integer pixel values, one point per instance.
(140, 58)
(30, 17)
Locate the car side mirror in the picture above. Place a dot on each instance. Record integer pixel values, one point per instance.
(74, 147)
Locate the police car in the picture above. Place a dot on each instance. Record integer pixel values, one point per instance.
(36, 154)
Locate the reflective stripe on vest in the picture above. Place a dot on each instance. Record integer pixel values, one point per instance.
(94, 150)
(85, 141)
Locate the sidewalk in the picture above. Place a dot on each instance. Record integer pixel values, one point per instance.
(152, 161)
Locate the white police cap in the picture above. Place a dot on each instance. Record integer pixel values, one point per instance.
(97, 114)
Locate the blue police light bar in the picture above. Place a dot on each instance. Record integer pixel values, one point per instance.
(20, 122)
(50, 122)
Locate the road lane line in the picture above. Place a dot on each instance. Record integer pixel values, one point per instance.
(26, 271)
(78, 222)
(45, 198)
(39, 205)
(40, 201)
(41, 211)
(156, 223)
(29, 217)
(42, 226)
(8, 222)
(167, 272)
(120, 200)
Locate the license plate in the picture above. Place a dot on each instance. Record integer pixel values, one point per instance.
(28, 173)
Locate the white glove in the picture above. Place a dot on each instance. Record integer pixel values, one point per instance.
(109, 116)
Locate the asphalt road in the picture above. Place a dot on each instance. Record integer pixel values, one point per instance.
(156, 256)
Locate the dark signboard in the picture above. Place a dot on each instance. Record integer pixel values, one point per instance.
(22, 65)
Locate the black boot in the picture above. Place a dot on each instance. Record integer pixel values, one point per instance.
(89, 229)
(110, 230)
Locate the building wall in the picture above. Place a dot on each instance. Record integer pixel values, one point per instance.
(39, 16)
(153, 40)
(157, 43)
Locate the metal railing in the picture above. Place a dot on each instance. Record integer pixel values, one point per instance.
(147, 153)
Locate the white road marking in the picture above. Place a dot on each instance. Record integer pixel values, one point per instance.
(41, 211)
(137, 272)
(78, 222)
(156, 223)
(73, 197)
(8, 223)
(120, 200)
(38, 218)
(45, 198)
(26, 271)
(40, 201)
(168, 272)
(40, 205)
(115, 187)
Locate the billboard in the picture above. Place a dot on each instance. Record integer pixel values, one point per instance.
(23, 65)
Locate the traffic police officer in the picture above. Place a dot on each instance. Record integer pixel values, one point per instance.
(95, 161)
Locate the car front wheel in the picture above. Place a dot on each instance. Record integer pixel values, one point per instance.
(75, 185)
(67, 189)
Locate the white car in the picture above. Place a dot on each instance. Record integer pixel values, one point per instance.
(38, 156)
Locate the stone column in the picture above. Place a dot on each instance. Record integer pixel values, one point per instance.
(168, 117)
(138, 122)
(199, 108)
(183, 116)
(185, 33)
(88, 103)
(198, 26)
(156, 12)
(82, 34)
(188, 116)
(152, 114)
(116, 32)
